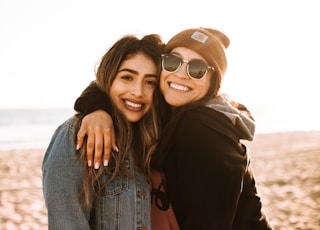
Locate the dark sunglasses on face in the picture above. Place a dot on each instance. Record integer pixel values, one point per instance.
(196, 68)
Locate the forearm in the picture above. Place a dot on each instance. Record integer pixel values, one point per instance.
(92, 99)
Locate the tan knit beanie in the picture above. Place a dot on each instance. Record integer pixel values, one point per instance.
(209, 43)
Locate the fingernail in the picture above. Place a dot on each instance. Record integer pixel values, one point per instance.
(78, 147)
(96, 165)
(117, 150)
(105, 163)
(89, 163)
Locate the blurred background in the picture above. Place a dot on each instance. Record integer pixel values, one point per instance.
(48, 51)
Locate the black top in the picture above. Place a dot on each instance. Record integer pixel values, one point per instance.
(209, 177)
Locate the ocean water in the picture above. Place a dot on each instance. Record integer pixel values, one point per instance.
(30, 128)
(33, 128)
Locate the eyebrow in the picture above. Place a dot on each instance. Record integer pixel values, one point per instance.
(136, 72)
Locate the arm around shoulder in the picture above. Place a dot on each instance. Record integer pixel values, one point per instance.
(92, 99)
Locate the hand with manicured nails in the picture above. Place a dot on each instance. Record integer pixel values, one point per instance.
(98, 127)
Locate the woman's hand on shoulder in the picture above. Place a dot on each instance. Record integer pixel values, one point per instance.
(98, 127)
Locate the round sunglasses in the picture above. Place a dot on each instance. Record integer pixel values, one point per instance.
(196, 68)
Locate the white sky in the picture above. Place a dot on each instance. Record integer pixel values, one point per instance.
(48, 49)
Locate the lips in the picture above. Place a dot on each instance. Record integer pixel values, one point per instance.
(178, 87)
(134, 106)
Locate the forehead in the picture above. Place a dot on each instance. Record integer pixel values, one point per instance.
(139, 63)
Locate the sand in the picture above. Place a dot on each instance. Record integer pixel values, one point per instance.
(286, 167)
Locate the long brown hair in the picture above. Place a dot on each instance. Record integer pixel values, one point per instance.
(135, 141)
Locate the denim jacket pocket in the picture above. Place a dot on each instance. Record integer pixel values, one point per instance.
(118, 185)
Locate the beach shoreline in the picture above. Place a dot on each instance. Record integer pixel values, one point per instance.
(286, 166)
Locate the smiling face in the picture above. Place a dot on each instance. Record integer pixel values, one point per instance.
(132, 89)
(178, 88)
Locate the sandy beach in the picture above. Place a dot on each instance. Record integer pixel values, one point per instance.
(286, 167)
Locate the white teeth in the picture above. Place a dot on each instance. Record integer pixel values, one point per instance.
(178, 87)
(134, 105)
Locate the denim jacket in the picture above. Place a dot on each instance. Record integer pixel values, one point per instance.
(123, 204)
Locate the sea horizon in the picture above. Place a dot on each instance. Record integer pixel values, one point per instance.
(33, 128)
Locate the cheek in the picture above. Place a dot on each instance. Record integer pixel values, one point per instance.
(114, 99)
(201, 89)
(114, 93)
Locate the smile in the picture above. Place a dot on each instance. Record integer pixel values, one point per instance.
(132, 105)
(178, 87)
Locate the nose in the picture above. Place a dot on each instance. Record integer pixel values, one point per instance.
(137, 90)
(182, 71)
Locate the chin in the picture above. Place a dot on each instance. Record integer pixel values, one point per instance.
(135, 118)
(175, 103)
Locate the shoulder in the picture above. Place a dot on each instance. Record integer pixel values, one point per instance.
(63, 138)
(70, 123)
(61, 150)
(201, 124)
(208, 135)
(209, 128)
(207, 118)
(69, 126)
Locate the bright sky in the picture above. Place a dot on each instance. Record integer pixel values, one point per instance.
(48, 49)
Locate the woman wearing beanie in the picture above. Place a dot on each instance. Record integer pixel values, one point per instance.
(208, 176)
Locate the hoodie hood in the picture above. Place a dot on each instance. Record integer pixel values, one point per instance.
(237, 113)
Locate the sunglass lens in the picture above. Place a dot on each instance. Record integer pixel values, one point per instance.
(197, 69)
(171, 63)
